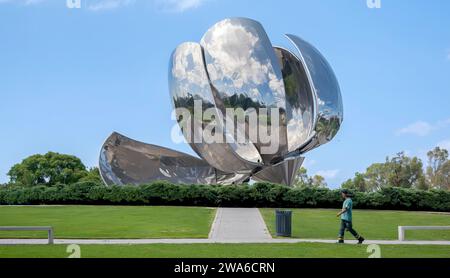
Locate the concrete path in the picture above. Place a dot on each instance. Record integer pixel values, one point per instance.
(208, 241)
(240, 224)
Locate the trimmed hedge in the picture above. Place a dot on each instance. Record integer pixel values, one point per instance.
(258, 195)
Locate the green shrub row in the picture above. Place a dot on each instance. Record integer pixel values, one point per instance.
(258, 195)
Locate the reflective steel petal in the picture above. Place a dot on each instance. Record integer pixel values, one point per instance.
(329, 108)
(190, 89)
(282, 173)
(243, 67)
(126, 161)
(230, 178)
(299, 99)
(236, 67)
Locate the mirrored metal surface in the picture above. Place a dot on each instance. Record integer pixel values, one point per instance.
(231, 178)
(126, 161)
(243, 67)
(235, 67)
(329, 108)
(299, 99)
(281, 173)
(190, 89)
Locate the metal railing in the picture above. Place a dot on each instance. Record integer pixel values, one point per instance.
(49, 229)
(402, 229)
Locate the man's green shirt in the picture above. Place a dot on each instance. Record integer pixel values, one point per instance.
(348, 205)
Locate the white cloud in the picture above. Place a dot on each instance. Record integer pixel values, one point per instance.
(33, 2)
(328, 174)
(420, 128)
(22, 2)
(101, 5)
(178, 6)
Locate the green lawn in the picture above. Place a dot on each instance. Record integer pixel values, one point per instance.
(323, 223)
(109, 221)
(299, 250)
(190, 222)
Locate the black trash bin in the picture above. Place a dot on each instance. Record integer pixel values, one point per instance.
(284, 223)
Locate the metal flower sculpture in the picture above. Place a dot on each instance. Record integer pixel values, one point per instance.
(294, 94)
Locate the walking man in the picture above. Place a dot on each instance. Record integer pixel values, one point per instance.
(346, 218)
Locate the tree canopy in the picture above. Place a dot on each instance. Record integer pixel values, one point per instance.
(303, 180)
(406, 172)
(399, 171)
(49, 169)
(438, 170)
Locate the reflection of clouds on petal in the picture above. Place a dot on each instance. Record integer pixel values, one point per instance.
(165, 173)
(230, 61)
(188, 65)
(243, 67)
(188, 69)
(320, 102)
(254, 94)
(190, 89)
(239, 60)
(299, 127)
(277, 86)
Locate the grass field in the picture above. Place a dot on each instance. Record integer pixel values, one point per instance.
(109, 221)
(190, 222)
(299, 250)
(323, 224)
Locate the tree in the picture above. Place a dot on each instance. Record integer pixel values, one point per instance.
(48, 169)
(303, 180)
(406, 172)
(358, 183)
(348, 184)
(444, 176)
(317, 181)
(377, 176)
(93, 175)
(399, 171)
(438, 168)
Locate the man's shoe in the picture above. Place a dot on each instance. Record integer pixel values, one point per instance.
(360, 240)
(340, 241)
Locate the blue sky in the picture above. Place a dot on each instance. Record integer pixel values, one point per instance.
(69, 77)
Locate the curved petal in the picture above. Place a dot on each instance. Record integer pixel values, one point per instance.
(299, 99)
(329, 109)
(282, 173)
(243, 67)
(126, 161)
(190, 89)
(231, 178)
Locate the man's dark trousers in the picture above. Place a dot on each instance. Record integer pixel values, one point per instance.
(347, 225)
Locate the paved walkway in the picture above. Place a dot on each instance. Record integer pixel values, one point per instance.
(242, 224)
(231, 225)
